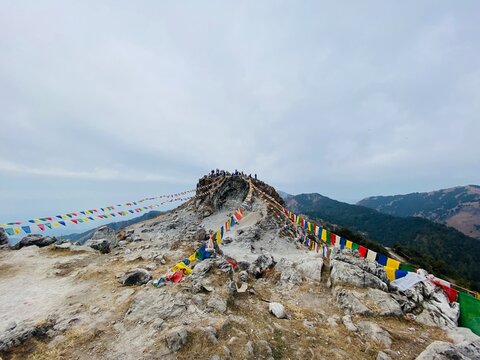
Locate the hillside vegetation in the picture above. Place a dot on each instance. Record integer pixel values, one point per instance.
(458, 207)
(435, 247)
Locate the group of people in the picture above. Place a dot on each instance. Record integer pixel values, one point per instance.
(218, 172)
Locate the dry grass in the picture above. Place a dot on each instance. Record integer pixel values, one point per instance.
(7, 270)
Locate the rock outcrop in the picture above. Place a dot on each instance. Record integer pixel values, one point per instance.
(34, 240)
(3, 237)
(352, 270)
(103, 240)
(135, 277)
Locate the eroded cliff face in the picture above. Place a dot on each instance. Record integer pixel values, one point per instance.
(261, 295)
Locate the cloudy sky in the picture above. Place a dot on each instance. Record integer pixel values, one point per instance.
(103, 102)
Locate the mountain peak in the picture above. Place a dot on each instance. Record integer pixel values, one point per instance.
(458, 207)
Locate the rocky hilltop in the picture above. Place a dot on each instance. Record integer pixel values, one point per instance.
(259, 294)
(458, 207)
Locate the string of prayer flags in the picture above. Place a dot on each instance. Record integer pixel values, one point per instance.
(50, 222)
(105, 208)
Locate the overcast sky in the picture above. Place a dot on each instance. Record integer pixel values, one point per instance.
(103, 102)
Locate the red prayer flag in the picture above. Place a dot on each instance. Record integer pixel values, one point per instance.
(333, 237)
(450, 292)
(362, 250)
(42, 227)
(177, 277)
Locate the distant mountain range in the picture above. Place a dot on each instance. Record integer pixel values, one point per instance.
(458, 207)
(82, 237)
(432, 246)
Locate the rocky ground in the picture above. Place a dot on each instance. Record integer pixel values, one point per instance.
(280, 301)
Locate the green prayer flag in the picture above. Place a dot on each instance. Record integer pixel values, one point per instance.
(407, 267)
(469, 312)
(355, 246)
(9, 231)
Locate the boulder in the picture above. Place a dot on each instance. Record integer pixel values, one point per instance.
(243, 276)
(217, 304)
(374, 332)
(201, 269)
(347, 321)
(200, 235)
(428, 305)
(34, 239)
(176, 338)
(311, 268)
(351, 302)
(384, 303)
(224, 266)
(288, 272)
(277, 309)
(135, 277)
(157, 304)
(442, 351)
(360, 276)
(3, 237)
(382, 356)
(103, 240)
(261, 264)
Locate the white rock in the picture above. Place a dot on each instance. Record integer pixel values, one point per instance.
(277, 309)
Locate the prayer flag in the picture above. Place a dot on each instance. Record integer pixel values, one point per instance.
(390, 273)
(26, 229)
(362, 250)
(371, 255)
(337, 241)
(324, 235)
(381, 259)
(355, 246)
(348, 244)
(9, 231)
(343, 242)
(333, 238)
(393, 263)
(400, 273)
(469, 312)
(407, 267)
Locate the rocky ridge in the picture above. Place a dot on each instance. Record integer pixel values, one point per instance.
(261, 296)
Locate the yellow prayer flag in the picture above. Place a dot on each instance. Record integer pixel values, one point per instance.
(193, 257)
(17, 230)
(86, 219)
(324, 235)
(393, 264)
(181, 266)
(390, 273)
(218, 236)
(348, 244)
(55, 224)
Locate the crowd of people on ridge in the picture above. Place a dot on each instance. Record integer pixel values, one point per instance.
(217, 173)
